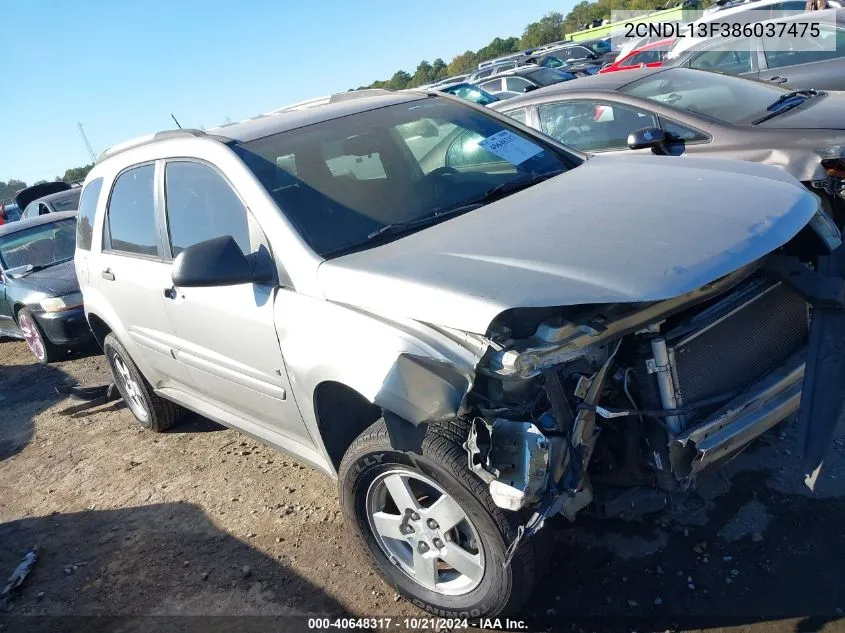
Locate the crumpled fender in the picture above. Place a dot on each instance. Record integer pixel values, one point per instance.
(403, 366)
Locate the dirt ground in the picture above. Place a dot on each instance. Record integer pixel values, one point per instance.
(202, 521)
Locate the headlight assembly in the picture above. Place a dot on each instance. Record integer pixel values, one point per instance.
(58, 304)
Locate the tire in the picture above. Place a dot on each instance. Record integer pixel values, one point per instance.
(151, 410)
(364, 472)
(44, 351)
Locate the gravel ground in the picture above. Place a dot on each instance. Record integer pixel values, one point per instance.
(202, 521)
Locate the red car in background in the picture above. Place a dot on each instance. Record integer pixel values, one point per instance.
(650, 55)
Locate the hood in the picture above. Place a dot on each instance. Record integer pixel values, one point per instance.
(616, 229)
(54, 281)
(826, 111)
(25, 196)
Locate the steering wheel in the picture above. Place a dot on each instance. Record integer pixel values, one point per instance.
(430, 190)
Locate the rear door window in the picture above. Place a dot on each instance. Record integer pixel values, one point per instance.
(516, 84)
(494, 85)
(85, 215)
(791, 50)
(732, 57)
(646, 57)
(131, 214)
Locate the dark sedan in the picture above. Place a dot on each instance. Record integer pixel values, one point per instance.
(678, 111)
(791, 60)
(40, 300)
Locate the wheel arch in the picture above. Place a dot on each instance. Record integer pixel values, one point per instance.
(99, 328)
(342, 414)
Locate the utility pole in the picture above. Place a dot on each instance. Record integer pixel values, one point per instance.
(87, 144)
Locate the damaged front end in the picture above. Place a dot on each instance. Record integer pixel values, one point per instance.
(624, 405)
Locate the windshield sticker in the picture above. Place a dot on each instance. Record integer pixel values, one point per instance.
(511, 147)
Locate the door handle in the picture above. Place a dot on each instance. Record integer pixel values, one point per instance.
(778, 80)
(170, 293)
(107, 274)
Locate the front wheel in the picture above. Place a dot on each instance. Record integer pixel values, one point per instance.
(40, 346)
(431, 528)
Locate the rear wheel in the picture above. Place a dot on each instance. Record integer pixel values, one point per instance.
(40, 346)
(151, 410)
(431, 528)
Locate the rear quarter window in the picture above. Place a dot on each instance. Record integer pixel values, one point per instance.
(85, 215)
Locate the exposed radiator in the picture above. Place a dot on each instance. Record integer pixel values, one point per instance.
(737, 341)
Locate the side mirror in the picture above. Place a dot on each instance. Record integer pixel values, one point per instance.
(215, 262)
(529, 88)
(592, 56)
(648, 137)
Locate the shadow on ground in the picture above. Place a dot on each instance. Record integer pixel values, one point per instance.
(690, 576)
(144, 564)
(25, 391)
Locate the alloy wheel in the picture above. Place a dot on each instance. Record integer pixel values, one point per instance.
(129, 388)
(32, 336)
(423, 531)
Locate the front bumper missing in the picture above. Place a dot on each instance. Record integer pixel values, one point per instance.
(726, 432)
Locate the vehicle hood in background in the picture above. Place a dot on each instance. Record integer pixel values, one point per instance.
(54, 281)
(616, 229)
(25, 196)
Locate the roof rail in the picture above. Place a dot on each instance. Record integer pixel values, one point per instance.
(147, 139)
(338, 97)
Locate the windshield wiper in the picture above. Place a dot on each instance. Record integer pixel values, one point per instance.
(786, 102)
(428, 219)
(497, 192)
(513, 186)
(807, 93)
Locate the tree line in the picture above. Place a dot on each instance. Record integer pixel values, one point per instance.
(552, 27)
(10, 188)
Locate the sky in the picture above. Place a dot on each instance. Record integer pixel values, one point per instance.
(121, 68)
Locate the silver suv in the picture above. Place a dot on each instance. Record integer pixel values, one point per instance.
(471, 327)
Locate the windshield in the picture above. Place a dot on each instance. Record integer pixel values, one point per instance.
(39, 246)
(339, 182)
(67, 203)
(548, 76)
(720, 97)
(471, 93)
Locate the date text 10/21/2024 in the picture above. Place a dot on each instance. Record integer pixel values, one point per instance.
(415, 624)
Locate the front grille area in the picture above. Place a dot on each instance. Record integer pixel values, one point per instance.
(739, 344)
